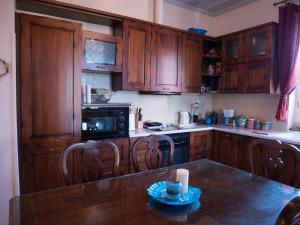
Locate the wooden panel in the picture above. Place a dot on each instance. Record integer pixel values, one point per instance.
(192, 64)
(225, 148)
(136, 67)
(50, 77)
(231, 81)
(230, 55)
(258, 76)
(42, 171)
(200, 145)
(166, 53)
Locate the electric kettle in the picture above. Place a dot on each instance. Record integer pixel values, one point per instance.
(184, 118)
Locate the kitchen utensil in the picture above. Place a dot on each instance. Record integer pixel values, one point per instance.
(184, 118)
(196, 113)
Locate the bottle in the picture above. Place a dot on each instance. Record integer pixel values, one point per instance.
(196, 113)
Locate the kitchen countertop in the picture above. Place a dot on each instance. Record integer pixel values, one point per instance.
(292, 137)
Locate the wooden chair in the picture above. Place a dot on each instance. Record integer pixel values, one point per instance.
(290, 215)
(152, 156)
(91, 166)
(275, 160)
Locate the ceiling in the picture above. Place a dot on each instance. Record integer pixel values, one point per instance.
(210, 7)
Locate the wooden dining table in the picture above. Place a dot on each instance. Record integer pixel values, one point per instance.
(229, 196)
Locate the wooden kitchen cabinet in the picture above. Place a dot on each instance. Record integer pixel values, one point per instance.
(232, 80)
(166, 60)
(225, 148)
(233, 49)
(200, 145)
(192, 63)
(101, 52)
(50, 106)
(136, 56)
(261, 77)
(250, 61)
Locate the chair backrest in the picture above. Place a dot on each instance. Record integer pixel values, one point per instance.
(90, 166)
(290, 215)
(275, 160)
(152, 156)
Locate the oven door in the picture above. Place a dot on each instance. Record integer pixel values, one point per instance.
(104, 123)
(181, 152)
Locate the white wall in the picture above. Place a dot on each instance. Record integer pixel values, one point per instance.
(8, 150)
(253, 14)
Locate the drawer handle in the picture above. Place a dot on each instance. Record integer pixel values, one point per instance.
(100, 67)
(136, 87)
(166, 89)
(54, 149)
(56, 140)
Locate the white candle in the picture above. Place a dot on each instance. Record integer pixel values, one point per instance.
(182, 175)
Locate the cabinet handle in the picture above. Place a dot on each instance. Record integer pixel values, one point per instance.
(100, 67)
(166, 89)
(56, 140)
(136, 87)
(54, 149)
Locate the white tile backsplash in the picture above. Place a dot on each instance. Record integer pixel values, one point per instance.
(259, 106)
(163, 108)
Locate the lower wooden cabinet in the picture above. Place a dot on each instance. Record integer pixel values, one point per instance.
(42, 170)
(225, 148)
(243, 160)
(200, 145)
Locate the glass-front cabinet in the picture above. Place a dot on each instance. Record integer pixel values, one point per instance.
(259, 43)
(101, 52)
(233, 49)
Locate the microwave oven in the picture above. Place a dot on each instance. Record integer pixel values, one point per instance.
(104, 123)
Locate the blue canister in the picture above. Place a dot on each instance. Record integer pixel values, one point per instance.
(257, 125)
(207, 119)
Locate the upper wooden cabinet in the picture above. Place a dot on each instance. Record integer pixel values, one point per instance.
(260, 43)
(136, 56)
(101, 52)
(166, 56)
(50, 79)
(252, 55)
(192, 63)
(233, 49)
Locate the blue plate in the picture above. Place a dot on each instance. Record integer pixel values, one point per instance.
(158, 191)
(198, 31)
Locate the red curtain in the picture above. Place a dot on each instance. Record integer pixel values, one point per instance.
(288, 44)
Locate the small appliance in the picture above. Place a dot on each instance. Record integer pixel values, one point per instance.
(105, 121)
(184, 118)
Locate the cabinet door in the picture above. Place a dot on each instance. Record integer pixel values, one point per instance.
(259, 43)
(136, 56)
(243, 160)
(50, 79)
(258, 76)
(230, 81)
(101, 52)
(42, 170)
(200, 145)
(166, 52)
(225, 148)
(233, 49)
(192, 64)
